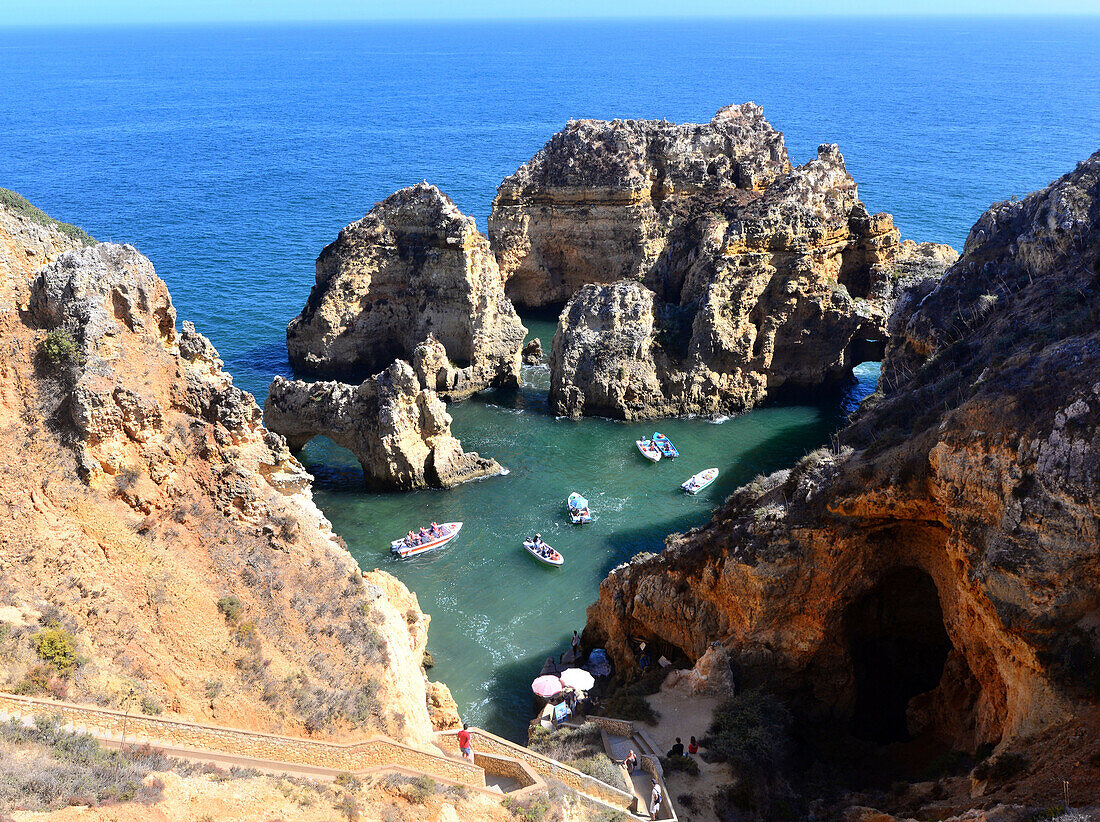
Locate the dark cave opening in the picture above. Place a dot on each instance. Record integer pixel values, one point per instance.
(898, 646)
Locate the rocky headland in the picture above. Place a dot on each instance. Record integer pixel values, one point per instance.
(699, 270)
(398, 430)
(934, 577)
(412, 280)
(160, 542)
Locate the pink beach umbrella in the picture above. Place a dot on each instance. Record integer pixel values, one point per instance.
(547, 686)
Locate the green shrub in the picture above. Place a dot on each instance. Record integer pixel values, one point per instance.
(57, 648)
(348, 807)
(19, 205)
(345, 779)
(59, 348)
(150, 706)
(687, 764)
(35, 681)
(750, 730)
(945, 764)
(630, 706)
(1002, 768)
(230, 608)
(422, 788)
(532, 810)
(599, 766)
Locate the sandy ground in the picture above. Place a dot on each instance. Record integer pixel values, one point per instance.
(685, 715)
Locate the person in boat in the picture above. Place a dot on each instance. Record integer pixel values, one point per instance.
(435, 530)
(423, 535)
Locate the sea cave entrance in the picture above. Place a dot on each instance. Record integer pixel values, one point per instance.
(898, 646)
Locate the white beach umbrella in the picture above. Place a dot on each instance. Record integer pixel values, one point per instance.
(577, 679)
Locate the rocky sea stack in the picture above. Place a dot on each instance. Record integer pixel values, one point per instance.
(398, 430)
(414, 271)
(700, 271)
(936, 576)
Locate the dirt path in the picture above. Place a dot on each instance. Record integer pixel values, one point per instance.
(685, 715)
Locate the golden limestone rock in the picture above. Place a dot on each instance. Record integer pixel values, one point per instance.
(412, 280)
(936, 575)
(735, 273)
(165, 536)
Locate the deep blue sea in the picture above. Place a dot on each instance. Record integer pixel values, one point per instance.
(232, 155)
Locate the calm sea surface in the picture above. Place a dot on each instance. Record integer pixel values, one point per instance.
(232, 155)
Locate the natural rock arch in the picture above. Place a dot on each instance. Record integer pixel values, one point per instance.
(398, 430)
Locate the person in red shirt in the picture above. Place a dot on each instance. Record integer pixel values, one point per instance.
(464, 743)
(693, 746)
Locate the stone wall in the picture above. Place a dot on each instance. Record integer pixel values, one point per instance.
(484, 741)
(618, 727)
(354, 756)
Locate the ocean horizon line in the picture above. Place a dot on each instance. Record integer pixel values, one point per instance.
(437, 22)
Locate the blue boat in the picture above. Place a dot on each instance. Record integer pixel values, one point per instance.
(578, 509)
(665, 445)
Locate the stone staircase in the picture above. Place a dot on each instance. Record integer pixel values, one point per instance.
(500, 767)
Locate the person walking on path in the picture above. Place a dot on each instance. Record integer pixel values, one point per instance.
(655, 800)
(464, 743)
(631, 761)
(576, 644)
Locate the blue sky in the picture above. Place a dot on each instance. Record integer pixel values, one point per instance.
(76, 12)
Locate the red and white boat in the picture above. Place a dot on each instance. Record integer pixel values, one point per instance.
(410, 548)
(543, 553)
(649, 450)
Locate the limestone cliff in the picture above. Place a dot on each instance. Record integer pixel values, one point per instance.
(938, 576)
(738, 273)
(597, 203)
(398, 430)
(166, 538)
(414, 272)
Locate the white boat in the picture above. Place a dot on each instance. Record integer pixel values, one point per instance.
(578, 509)
(700, 481)
(405, 547)
(543, 553)
(649, 450)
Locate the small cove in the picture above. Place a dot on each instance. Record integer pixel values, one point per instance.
(496, 613)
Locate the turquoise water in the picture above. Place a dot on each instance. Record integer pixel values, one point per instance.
(231, 155)
(496, 612)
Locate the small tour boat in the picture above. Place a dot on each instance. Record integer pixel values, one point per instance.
(578, 509)
(700, 481)
(649, 450)
(543, 553)
(406, 547)
(664, 445)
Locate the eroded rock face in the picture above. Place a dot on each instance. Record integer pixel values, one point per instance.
(414, 271)
(596, 204)
(939, 574)
(140, 475)
(791, 285)
(398, 430)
